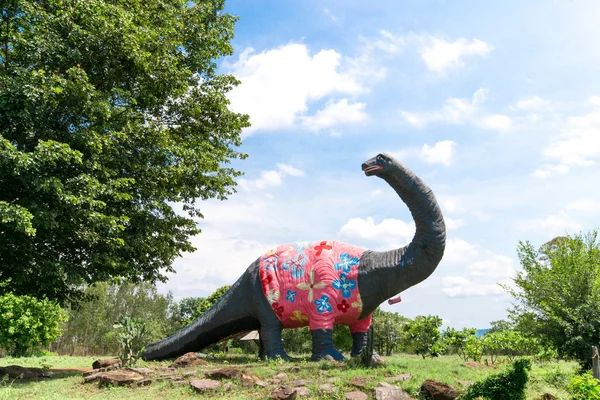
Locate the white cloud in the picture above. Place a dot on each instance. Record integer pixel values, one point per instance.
(585, 205)
(459, 286)
(496, 122)
(271, 178)
(484, 270)
(578, 144)
(439, 153)
(452, 203)
(387, 231)
(289, 170)
(553, 225)
(441, 55)
(336, 113)
(461, 111)
(453, 224)
(535, 103)
(278, 84)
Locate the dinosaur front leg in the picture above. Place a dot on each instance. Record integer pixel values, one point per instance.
(359, 334)
(322, 345)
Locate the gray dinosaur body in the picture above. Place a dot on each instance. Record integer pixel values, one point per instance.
(381, 275)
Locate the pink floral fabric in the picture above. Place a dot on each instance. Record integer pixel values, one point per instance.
(314, 284)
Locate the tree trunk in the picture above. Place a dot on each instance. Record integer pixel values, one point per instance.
(595, 363)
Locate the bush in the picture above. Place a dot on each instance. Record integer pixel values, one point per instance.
(585, 387)
(508, 384)
(27, 322)
(130, 333)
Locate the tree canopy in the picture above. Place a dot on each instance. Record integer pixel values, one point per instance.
(558, 294)
(111, 113)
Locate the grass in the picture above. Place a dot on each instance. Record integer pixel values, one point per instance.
(545, 378)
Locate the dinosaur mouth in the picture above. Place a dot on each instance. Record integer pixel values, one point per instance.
(372, 168)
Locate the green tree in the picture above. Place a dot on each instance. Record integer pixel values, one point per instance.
(389, 332)
(89, 329)
(187, 310)
(111, 112)
(424, 333)
(456, 341)
(559, 289)
(210, 301)
(27, 322)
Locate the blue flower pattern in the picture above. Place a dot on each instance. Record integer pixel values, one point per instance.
(299, 247)
(291, 296)
(323, 304)
(271, 263)
(296, 264)
(346, 263)
(345, 285)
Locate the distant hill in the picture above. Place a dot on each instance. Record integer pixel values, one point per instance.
(481, 332)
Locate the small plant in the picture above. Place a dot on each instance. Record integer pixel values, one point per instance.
(27, 322)
(557, 377)
(129, 336)
(508, 384)
(585, 387)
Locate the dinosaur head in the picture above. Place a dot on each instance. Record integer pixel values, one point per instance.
(378, 165)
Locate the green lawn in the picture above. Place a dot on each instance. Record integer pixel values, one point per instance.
(545, 378)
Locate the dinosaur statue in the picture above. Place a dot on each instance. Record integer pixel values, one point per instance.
(322, 283)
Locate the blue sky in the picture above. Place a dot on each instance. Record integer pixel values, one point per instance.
(495, 105)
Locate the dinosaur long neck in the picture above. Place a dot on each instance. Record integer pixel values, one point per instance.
(385, 274)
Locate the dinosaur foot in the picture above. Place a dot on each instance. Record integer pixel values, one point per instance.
(328, 354)
(274, 355)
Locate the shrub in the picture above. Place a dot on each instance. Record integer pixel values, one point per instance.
(585, 387)
(508, 384)
(27, 323)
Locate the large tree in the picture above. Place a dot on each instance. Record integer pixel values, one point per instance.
(558, 294)
(111, 112)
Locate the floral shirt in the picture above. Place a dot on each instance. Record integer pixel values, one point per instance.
(314, 284)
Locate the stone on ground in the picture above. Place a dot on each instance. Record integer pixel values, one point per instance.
(385, 391)
(204, 385)
(224, 373)
(284, 393)
(401, 377)
(190, 359)
(112, 362)
(120, 378)
(356, 396)
(438, 391)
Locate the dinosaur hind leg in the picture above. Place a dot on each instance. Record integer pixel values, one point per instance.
(322, 345)
(270, 334)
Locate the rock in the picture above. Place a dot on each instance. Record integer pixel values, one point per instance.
(327, 388)
(295, 369)
(356, 396)
(299, 382)
(141, 371)
(303, 391)
(261, 383)
(106, 363)
(18, 372)
(224, 373)
(200, 355)
(275, 381)
(281, 375)
(187, 374)
(284, 393)
(188, 360)
(204, 385)
(385, 391)
(359, 381)
(248, 379)
(438, 391)
(547, 396)
(401, 377)
(227, 385)
(92, 377)
(165, 369)
(120, 378)
(144, 382)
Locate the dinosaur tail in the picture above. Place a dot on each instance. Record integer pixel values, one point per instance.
(228, 317)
